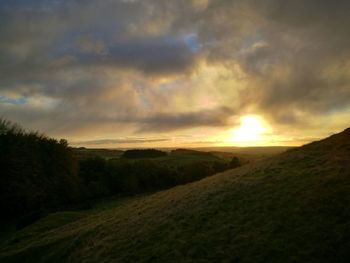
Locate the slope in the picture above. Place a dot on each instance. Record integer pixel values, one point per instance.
(291, 208)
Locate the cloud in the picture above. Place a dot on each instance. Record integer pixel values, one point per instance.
(119, 141)
(90, 45)
(173, 121)
(289, 52)
(164, 66)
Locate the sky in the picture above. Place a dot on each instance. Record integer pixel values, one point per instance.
(177, 73)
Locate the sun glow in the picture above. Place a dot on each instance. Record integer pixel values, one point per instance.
(250, 131)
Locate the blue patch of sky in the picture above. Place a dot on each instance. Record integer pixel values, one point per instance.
(191, 40)
(13, 101)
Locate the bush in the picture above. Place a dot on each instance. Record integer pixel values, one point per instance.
(234, 163)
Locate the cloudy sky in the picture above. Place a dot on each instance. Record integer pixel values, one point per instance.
(149, 73)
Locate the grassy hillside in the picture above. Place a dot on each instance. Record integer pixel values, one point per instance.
(291, 208)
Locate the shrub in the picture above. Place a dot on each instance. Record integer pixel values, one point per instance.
(234, 163)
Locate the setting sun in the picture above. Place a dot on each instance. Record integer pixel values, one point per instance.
(251, 130)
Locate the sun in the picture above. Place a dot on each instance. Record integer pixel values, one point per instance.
(251, 130)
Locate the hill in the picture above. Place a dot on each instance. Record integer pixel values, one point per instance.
(293, 207)
(143, 153)
(83, 153)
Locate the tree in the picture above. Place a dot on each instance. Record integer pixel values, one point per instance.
(37, 173)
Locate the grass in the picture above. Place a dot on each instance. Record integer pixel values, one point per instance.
(291, 208)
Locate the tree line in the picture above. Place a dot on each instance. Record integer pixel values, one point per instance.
(40, 174)
(37, 173)
(122, 177)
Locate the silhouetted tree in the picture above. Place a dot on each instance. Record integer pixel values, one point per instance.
(37, 172)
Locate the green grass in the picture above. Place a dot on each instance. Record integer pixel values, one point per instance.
(291, 208)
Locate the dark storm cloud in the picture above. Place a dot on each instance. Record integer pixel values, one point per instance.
(33, 42)
(155, 55)
(149, 55)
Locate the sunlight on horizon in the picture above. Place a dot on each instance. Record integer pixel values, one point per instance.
(251, 131)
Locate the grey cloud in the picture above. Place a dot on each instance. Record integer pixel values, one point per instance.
(68, 117)
(91, 45)
(152, 56)
(118, 141)
(162, 122)
(174, 121)
(31, 38)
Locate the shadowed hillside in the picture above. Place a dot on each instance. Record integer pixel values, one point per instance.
(291, 208)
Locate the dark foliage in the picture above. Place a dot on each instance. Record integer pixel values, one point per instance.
(146, 153)
(234, 163)
(189, 152)
(120, 177)
(40, 174)
(37, 173)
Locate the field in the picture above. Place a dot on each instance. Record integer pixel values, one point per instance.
(293, 207)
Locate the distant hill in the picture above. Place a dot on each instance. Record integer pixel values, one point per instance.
(189, 151)
(143, 153)
(83, 153)
(293, 207)
(245, 154)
